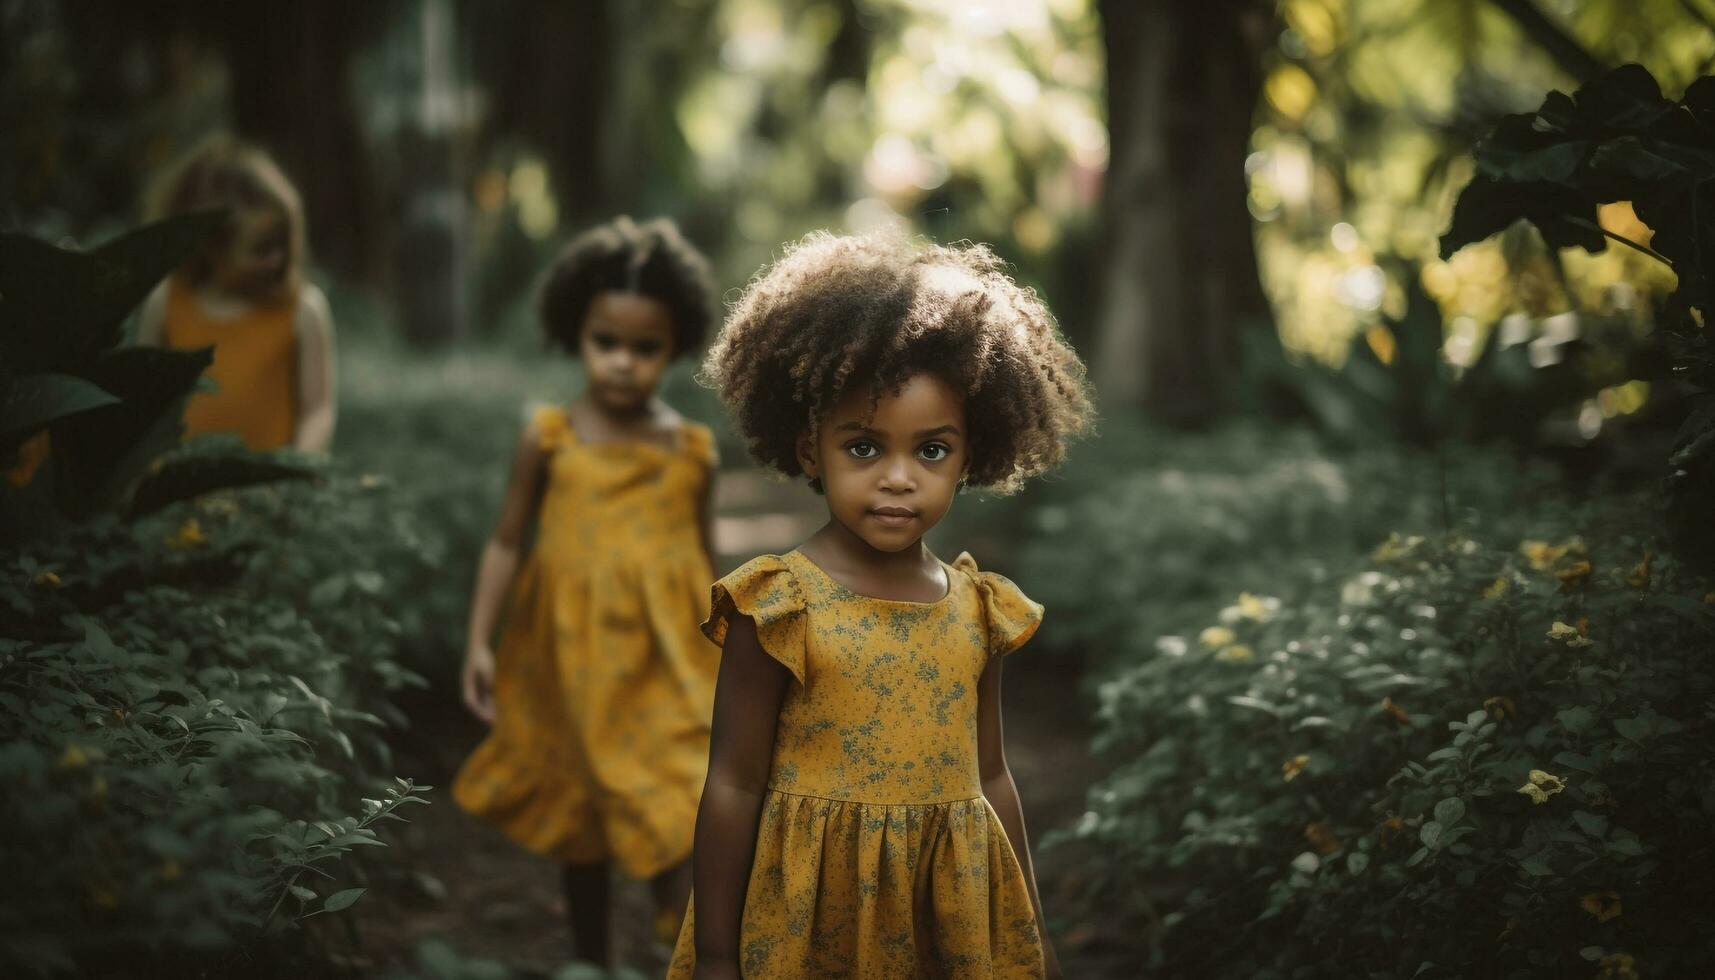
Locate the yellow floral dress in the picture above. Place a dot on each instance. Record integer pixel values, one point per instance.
(877, 855)
(603, 684)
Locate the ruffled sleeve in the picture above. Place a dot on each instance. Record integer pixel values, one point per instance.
(1012, 617)
(763, 589)
(700, 444)
(553, 428)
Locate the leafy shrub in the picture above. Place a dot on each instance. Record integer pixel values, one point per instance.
(1470, 756)
(1619, 139)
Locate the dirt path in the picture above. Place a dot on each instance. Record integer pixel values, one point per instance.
(450, 878)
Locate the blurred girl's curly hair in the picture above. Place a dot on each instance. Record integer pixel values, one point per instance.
(650, 259)
(874, 310)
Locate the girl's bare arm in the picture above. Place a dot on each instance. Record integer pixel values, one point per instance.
(499, 563)
(316, 399)
(1002, 792)
(748, 693)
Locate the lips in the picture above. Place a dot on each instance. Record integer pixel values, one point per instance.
(893, 516)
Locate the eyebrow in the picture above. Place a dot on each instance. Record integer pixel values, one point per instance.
(926, 433)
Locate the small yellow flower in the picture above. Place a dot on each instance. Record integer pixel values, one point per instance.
(103, 898)
(188, 536)
(73, 758)
(1497, 588)
(1617, 966)
(1567, 634)
(1390, 830)
(1512, 927)
(1602, 905)
(1709, 599)
(31, 455)
(1542, 785)
(1544, 556)
(1216, 637)
(1573, 575)
(1396, 546)
(170, 870)
(1639, 577)
(47, 580)
(1257, 608)
(369, 481)
(1237, 653)
(1500, 707)
(1322, 838)
(1399, 714)
(1290, 769)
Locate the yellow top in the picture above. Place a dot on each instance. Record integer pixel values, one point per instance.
(255, 368)
(603, 684)
(876, 853)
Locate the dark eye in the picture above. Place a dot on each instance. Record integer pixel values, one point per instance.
(649, 348)
(604, 342)
(935, 451)
(862, 449)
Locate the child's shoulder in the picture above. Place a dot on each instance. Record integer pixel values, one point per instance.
(546, 426)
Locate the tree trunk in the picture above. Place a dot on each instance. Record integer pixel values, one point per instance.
(1179, 277)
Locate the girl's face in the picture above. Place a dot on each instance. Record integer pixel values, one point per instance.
(626, 346)
(890, 476)
(255, 263)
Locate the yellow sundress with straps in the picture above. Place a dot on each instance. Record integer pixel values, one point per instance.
(255, 369)
(877, 855)
(603, 685)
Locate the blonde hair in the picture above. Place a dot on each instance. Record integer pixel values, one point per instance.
(225, 172)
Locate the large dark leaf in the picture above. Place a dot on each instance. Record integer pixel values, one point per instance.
(1625, 99)
(186, 475)
(60, 308)
(101, 451)
(1563, 216)
(32, 401)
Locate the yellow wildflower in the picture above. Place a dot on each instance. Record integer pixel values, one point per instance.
(1497, 588)
(170, 870)
(1237, 653)
(188, 536)
(1544, 556)
(31, 455)
(1573, 575)
(1542, 785)
(1396, 546)
(1639, 577)
(73, 758)
(1399, 714)
(1322, 838)
(1512, 927)
(1258, 608)
(1500, 706)
(47, 580)
(1617, 966)
(1390, 830)
(1290, 769)
(1602, 905)
(1567, 634)
(1216, 637)
(369, 481)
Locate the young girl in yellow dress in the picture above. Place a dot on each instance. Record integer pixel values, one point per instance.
(601, 691)
(244, 294)
(859, 819)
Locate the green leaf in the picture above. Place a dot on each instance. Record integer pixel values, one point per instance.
(1430, 833)
(1450, 810)
(1536, 865)
(32, 401)
(1576, 719)
(1635, 729)
(1417, 857)
(187, 475)
(1592, 824)
(342, 899)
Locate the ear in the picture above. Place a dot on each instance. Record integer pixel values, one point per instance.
(806, 451)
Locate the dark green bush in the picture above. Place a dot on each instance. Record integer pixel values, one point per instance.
(1466, 756)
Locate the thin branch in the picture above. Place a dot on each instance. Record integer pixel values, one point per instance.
(1567, 51)
(1623, 240)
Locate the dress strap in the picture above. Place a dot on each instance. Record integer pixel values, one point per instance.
(553, 428)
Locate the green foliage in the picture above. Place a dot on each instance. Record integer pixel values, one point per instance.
(1407, 391)
(1619, 139)
(1464, 755)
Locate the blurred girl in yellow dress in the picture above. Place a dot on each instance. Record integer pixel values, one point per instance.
(244, 294)
(859, 818)
(600, 691)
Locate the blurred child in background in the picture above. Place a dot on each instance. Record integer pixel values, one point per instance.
(244, 293)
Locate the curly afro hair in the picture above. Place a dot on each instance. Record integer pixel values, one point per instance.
(876, 310)
(650, 259)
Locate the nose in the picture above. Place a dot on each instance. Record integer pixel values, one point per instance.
(896, 476)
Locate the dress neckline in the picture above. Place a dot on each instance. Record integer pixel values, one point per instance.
(681, 436)
(848, 592)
